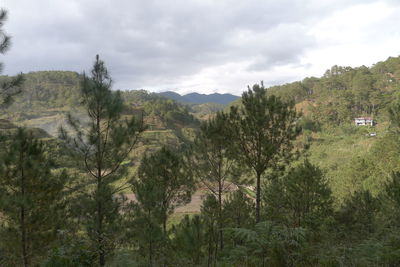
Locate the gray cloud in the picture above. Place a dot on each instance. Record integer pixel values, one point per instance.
(161, 42)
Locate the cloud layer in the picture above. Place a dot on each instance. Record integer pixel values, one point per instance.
(200, 45)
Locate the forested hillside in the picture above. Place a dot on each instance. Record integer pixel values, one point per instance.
(282, 177)
(295, 175)
(47, 96)
(351, 157)
(344, 93)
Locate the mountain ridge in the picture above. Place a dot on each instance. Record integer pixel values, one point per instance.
(197, 98)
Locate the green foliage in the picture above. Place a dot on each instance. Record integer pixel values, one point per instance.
(47, 96)
(144, 229)
(31, 200)
(101, 147)
(308, 124)
(344, 93)
(238, 210)
(392, 190)
(268, 244)
(189, 241)
(213, 160)
(352, 160)
(72, 252)
(296, 91)
(206, 110)
(258, 135)
(8, 87)
(391, 200)
(357, 214)
(210, 215)
(169, 111)
(394, 115)
(376, 252)
(302, 198)
(261, 121)
(45, 90)
(163, 183)
(264, 128)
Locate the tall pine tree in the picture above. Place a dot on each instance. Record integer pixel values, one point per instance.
(31, 200)
(102, 146)
(264, 128)
(213, 159)
(301, 198)
(163, 183)
(10, 87)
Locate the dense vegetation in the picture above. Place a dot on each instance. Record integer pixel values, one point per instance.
(343, 93)
(280, 187)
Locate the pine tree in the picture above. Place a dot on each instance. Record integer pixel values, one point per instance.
(163, 183)
(213, 159)
(238, 212)
(268, 244)
(357, 215)
(210, 214)
(238, 209)
(102, 146)
(31, 200)
(189, 241)
(264, 128)
(10, 87)
(302, 198)
(391, 200)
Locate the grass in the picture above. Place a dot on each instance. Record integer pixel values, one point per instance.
(340, 151)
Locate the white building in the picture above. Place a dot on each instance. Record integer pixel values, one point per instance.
(363, 121)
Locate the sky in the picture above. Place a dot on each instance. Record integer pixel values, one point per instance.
(201, 46)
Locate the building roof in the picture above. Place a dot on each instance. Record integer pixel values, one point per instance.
(364, 118)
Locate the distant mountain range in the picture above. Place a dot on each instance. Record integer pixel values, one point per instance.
(196, 98)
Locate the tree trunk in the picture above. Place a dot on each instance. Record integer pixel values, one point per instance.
(165, 238)
(22, 217)
(215, 254)
(258, 197)
(220, 224)
(209, 260)
(151, 251)
(100, 239)
(23, 238)
(150, 241)
(102, 261)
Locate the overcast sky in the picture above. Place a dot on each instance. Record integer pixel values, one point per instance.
(200, 45)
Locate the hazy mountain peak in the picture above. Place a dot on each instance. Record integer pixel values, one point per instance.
(198, 98)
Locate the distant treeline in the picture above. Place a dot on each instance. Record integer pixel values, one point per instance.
(82, 201)
(343, 93)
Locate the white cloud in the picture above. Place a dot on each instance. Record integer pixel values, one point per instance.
(359, 35)
(203, 46)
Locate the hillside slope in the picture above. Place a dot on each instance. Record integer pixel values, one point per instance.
(350, 157)
(47, 97)
(343, 93)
